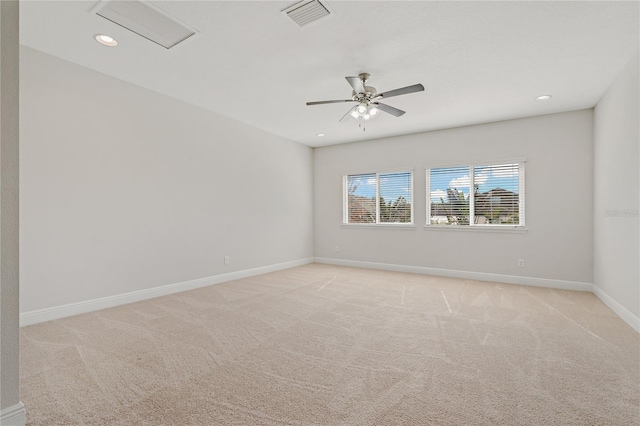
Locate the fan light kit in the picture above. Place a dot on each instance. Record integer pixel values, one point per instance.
(105, 40)
(365, 112)
(367, 99)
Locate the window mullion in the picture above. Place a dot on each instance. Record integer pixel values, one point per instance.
(428, 190)
(472, 196)
(413, 204)
(377, 198)
(521, 195)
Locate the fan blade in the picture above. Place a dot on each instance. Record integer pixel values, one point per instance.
(330, 102)
(348, 114)
(389, 109)
(356, 83)
(402, 91)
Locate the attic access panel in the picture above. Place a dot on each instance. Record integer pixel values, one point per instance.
(146, 21)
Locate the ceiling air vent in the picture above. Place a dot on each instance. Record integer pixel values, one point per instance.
(146, 21)
(306, 11)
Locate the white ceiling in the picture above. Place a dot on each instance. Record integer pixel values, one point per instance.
(479, 61)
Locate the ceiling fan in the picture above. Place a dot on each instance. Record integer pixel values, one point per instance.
(367, 99)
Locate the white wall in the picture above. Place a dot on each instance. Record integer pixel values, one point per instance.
(558, 244)
(124, 189)
(617, 187)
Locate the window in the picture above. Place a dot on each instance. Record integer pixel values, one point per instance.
(378, 198)
(476, 195)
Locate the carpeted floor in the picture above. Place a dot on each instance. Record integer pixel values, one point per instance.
(327, 345)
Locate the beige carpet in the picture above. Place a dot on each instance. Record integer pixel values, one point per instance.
(325, 345)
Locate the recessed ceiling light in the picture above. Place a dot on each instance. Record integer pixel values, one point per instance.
(320, 135)
(106, 40)
(543, 98)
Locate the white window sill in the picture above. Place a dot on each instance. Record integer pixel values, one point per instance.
(480, 228)
(379, 225)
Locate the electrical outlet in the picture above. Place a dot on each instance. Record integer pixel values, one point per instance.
(520, 263)
(226, 260)
(337, 249)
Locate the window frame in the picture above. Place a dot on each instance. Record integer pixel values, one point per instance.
(520, 227)
(377, 223)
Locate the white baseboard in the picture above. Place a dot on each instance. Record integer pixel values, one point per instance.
(15, 415)
(57, 312)
(479, 276)
(616, 307)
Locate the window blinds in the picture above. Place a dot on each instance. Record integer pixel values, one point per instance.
(476, 195)
(395, 197)
(379, 198)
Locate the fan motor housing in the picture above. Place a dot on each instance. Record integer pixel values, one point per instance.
(369, 93)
